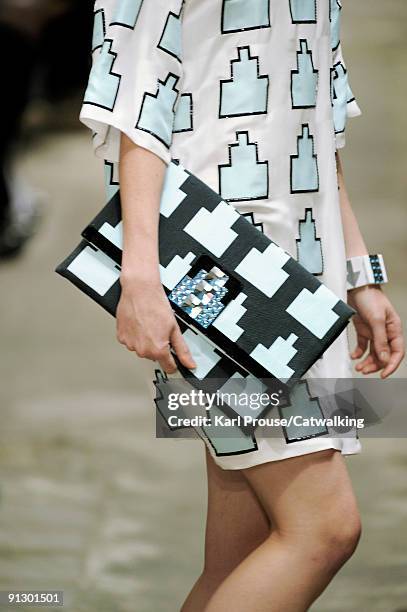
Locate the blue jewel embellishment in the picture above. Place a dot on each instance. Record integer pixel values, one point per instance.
(201, 296)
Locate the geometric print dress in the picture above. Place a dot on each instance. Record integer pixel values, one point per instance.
(251, 96)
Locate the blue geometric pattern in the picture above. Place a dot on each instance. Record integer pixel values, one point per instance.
(237, 385)
(95, 269)
(213, 229)
(303, 11)
(306, 407)
(304, 80)
(245, 15)
(103, 85)
(315, 310)
(184, 114)
(246, 92)
(264, 270)
(172, 195)
(175, 270)
(304, 165)
(309, 249)
(157, 111)
(126, 13)
(228, 320)
(99, 29)
(335, 18)
(341, 96)
(204, 354)
(171, 38)
(277, 357)
(227, 440)
(244, 177)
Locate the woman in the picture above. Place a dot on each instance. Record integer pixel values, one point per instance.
(252, 96)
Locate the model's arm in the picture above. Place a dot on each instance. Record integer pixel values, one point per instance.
(145, 321)
(380, 343)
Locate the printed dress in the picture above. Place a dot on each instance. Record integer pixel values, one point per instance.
(252, 96)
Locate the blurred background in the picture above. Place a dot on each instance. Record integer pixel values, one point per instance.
(90, 502)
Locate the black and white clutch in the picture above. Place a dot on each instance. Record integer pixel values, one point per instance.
(226, 281)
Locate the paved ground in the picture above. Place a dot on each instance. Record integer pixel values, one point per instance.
(89, 501)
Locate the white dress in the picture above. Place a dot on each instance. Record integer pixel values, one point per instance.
(252, 96)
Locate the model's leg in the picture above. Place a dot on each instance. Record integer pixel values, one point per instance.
(236, 525)
(316, 528)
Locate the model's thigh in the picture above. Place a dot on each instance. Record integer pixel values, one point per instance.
(306, 493)
(236, 521)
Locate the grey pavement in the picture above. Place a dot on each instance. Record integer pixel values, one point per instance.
(90, 501)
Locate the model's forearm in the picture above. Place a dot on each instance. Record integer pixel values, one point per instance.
(354, 242)
(141, 179)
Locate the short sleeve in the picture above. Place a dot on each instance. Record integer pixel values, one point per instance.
(135, 77)
(343, 101)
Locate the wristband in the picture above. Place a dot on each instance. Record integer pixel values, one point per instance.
(365, 270)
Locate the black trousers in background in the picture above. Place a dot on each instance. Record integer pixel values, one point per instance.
(18, 53)
(51, 63)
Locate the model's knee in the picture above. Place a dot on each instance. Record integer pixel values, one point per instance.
(336, 538)
(337, 541)
(326, 540)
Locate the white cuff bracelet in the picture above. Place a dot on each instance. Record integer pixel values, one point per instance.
(365, 270)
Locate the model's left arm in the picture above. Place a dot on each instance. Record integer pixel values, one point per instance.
(380, 343)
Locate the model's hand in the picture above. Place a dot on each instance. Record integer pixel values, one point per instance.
(147, 325)
(379, 331)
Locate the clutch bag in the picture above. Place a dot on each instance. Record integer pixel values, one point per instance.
(234, 291)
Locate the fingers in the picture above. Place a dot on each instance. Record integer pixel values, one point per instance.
(370, 364)
(167, 362)
(162, 353)
(360, 348)
(380, 342)
(397, 355)
(386, 347)
(365, 363)
(181, 349)
(372, 367)
(358, 352)
(397, 346)
(392, 365)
